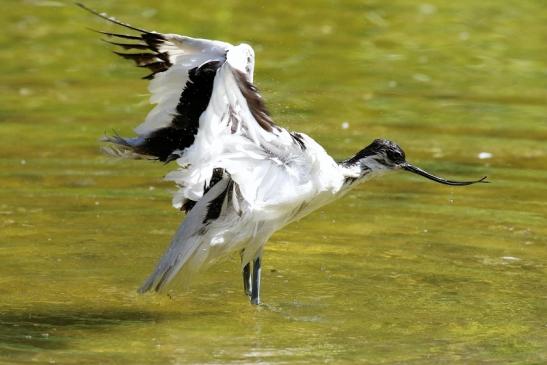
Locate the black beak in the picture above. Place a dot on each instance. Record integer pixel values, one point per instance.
(419, 171)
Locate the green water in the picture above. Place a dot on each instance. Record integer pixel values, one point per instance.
(401, 271)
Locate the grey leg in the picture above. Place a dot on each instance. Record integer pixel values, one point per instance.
(255, 294)
(247, 279)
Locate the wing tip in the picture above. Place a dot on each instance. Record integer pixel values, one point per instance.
(109, 18)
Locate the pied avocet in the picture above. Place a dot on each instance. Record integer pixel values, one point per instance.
(240, 176)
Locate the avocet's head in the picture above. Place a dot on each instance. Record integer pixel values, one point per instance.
(383, 155)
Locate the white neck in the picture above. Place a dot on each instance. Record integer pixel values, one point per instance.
(360, 171)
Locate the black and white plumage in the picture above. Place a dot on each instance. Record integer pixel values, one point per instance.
(240, 176)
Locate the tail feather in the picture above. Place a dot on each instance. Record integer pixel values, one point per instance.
(167, 269)
(189, 247)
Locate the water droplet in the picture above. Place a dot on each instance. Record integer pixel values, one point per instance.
(376, 19)
(463, 36)
(485, 155)
(148, 13)
(421, 77)
(326, 29)
(427, 9)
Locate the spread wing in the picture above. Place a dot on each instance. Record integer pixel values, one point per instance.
(181, 75)
(208, 115)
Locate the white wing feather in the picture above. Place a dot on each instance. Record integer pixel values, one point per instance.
(184, 53)
(229, 137)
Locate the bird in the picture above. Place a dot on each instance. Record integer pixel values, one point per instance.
(240, 177)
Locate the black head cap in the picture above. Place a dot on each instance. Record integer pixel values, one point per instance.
(388, 153)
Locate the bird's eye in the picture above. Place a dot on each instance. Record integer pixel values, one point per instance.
(395, 156)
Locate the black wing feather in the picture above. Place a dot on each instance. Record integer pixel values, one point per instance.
(155, 60)
(128, 45)
(118, 35)
(111, 19)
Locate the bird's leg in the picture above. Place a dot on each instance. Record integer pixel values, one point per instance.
(247, 279)
(255, 293)
(246, 275)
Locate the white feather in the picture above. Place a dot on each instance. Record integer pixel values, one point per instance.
(184, 54)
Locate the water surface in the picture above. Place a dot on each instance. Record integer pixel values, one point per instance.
(399, 271)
